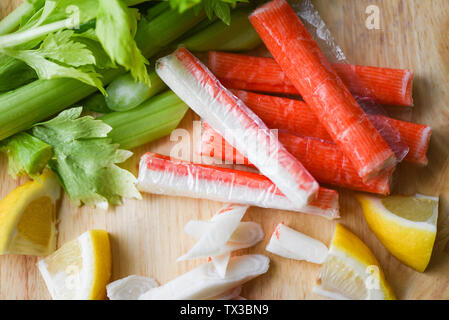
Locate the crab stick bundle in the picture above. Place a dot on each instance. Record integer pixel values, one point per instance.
(306, 66)
(199, 88)
(160, 175)
(388, 86)
(295, 116)
(323, 159)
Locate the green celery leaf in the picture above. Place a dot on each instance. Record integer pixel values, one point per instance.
(27, 155)
(223, 11)
(60, 57)
(85, 159)
(58, 46)
(116, 28)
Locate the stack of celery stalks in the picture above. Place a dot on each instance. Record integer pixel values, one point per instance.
(105, 64)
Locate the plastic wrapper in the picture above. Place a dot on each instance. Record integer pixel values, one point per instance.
(160, 175)
(200, 89)
(204, 283)
(310, 71)
(324, 160)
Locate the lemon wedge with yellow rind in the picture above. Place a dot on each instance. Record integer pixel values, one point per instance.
(80, 269)
(406, 226)
(28, 217)
(351, 271)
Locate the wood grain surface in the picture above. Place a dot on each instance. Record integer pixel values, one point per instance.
(147, 236)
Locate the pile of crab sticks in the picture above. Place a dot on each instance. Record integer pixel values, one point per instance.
(314, 131)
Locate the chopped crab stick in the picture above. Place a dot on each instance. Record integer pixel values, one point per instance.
(308, 69)
(289, 243)
(221, 263)
(130, 288)
(237, 71)
(295, 117)
(160, 175)
(246, 235)
(204, 283)
(199, 89)
(220, 231)
(323, 159)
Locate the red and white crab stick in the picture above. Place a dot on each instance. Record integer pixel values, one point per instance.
(237, 71)
(303, 62)
(323, 159)
(240, 126)
(159, 174)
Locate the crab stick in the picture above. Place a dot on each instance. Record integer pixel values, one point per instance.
(213, 242)
(289, 243)
(199, 88)
(237, 71)
(306, 66)
(204, 283)
(160, 175)
(295, 116)
(323, 159)
(247, 234)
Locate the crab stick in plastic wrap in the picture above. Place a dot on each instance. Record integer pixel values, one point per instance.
(237, 71)
(160, 175)
(244, 130)
(303, 62)
(295, 117)
(323, 159)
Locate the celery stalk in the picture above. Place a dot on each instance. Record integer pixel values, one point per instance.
(14, 73)
(95, 103)
(26, 154)
(156, 10)
(22, 108)
(13, 20)
(150, 121)
(239, 36)
(156, 34)
(124, 93)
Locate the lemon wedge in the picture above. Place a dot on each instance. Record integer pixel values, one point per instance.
(80, 269)
(28, 217)
(406, 226)
(351, 271)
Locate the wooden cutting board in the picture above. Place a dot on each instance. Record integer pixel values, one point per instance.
(147, 236)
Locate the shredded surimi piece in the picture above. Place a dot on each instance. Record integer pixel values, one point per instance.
(246, 235)
(388, 86)
(311, 73)
(292, 244)
(217, 235)
(220, 231)
(323, 159)
(295, 117)
(160, 175)
(204, 283)
(201, 90)
(130, 288)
